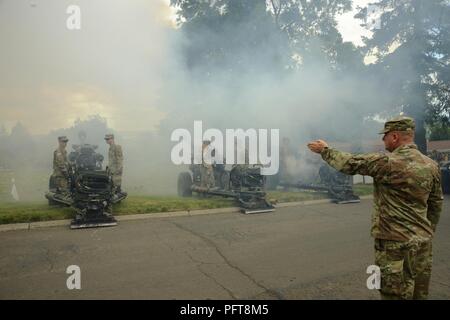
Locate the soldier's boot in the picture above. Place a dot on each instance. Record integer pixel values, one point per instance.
(422, 284)
(385, 296)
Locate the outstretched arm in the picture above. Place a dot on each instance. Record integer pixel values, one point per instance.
(435, 202)
(369, 164)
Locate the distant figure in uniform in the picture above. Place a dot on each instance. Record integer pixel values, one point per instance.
(407, 201)
(61, 166)
(207, 173)
(115, 162)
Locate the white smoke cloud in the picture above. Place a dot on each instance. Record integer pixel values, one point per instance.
(113, 66)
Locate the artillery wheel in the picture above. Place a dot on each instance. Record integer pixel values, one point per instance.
(184, 184)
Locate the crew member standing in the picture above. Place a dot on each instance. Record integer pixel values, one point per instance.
(115, 162)
(407, 201)
(61, 166)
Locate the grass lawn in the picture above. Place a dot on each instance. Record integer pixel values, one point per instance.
(15, 212)
(363, 189)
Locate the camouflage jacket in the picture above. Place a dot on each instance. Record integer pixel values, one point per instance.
(60, 163)
(407, 190)
(115, 159)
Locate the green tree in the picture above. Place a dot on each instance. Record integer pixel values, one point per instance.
(94, 128)
(273, 36)
(439, 132)
(312, 31)
(230, 35)
(279, 37)
(20, 146)
(412, 47)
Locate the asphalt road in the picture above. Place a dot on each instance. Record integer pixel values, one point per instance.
(309, 252)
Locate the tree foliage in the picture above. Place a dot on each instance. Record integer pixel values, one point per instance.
(277, 34)
(231, 35)
(439, 132)
(412, 45)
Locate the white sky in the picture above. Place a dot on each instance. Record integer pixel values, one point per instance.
(350, 28)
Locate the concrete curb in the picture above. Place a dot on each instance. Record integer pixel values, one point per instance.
(132, 217)
(48, 224)
(186, 213)
(302, 203)
(14, 226)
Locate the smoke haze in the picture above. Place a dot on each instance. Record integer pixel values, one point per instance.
(125, 72)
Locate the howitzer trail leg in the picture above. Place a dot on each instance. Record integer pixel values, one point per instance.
(254, 204)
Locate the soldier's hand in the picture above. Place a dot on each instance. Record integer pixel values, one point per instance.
(317, 146)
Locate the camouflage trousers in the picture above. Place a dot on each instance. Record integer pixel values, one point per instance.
(405, 268)
(207, 176)
(117, 180)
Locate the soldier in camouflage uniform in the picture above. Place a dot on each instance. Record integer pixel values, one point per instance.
(407, 201)
(61, 166)
(115, 162)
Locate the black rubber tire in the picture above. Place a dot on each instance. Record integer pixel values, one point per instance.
(184, 184)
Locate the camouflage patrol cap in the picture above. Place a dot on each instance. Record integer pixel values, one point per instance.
(63, 139)
(399, 124)
(109, 136)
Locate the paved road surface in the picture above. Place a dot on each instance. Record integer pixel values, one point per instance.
(310, 252)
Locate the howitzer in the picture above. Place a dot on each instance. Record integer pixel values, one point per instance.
(243, 183)
(337, 185)
(90, 189)
(248, 201)
(338, 193)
